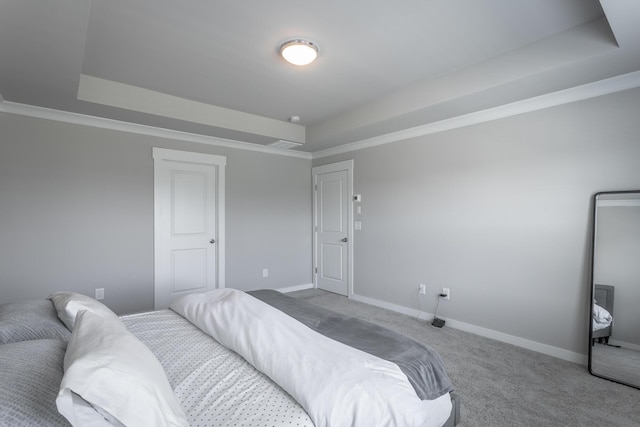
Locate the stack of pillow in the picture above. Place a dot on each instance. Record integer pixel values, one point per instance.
(73, 354)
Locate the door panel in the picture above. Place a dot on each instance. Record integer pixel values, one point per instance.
(331, 262)
(189, 202)
(331, 203)
(189, 270)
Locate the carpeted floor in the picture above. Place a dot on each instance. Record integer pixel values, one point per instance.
(501, 384)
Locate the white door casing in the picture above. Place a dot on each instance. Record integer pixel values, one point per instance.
(188, 223)
(333, 231)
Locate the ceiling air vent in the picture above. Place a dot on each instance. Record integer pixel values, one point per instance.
(284, 144)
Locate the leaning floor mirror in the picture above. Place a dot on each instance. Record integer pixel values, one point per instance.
(614, 330)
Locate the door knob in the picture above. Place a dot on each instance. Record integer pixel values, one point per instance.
(345, 240)
(212, 241)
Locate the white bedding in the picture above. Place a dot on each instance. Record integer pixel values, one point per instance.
(215, 386)
(601, 318)
(337, 385)
(103, 359)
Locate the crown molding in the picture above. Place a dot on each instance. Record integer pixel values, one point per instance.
(579, 93)
(566, 96)
(117, 125)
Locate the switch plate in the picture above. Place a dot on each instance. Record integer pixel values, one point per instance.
(423, 288)
(447, 292)
(99, 293)
(265, 272)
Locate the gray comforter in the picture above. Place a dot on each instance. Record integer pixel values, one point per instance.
(422, 365)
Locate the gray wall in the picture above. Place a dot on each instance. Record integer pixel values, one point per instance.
(498, 212)
(617, 263)
(76, 213)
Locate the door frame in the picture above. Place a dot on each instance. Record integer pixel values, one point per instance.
(346, 165)
(219, 162)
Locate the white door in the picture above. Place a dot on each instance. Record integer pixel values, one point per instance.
(332, 225)
(188, 213)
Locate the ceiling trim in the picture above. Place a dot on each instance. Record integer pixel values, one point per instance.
(566, 96)
(117, 125)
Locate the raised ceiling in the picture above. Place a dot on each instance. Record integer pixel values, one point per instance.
(212, 67)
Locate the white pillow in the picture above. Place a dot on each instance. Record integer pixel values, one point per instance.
(112, 378)
(68, 304)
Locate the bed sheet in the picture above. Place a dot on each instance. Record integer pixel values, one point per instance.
(214, 385)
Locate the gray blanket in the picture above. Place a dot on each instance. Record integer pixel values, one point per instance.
(421, 364)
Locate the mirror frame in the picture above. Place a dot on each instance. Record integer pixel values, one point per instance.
(592, 284)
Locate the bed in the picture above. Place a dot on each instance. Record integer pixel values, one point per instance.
(602, 313)
(166, 368)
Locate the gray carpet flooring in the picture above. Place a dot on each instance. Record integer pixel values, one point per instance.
(501, 384)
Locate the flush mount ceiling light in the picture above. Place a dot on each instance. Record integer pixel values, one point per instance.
(299, 51)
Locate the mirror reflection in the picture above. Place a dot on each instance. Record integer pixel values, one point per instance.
(614, 348)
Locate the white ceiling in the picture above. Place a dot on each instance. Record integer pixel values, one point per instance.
(212, 67)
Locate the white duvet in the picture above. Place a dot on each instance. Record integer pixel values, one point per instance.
(336, 384)
(601, 318)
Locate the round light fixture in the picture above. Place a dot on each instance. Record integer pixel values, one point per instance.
(299, 51)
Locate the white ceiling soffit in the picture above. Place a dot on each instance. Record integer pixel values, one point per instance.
(591, 90)
(566, 96)
(224, 55)
(140, 129)
(114, 94)
(512, 76)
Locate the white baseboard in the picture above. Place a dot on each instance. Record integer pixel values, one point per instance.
(296, 288)
(549, 350)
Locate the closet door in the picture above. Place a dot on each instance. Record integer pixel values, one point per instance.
(187, 224)
(332, 225)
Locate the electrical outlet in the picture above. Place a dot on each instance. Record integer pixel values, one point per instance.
(447, 292)
(265, 272)
(423, 288)
(99, 293)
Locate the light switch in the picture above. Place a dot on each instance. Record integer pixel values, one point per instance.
(358, 209)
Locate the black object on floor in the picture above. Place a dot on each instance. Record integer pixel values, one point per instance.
(438, 323)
